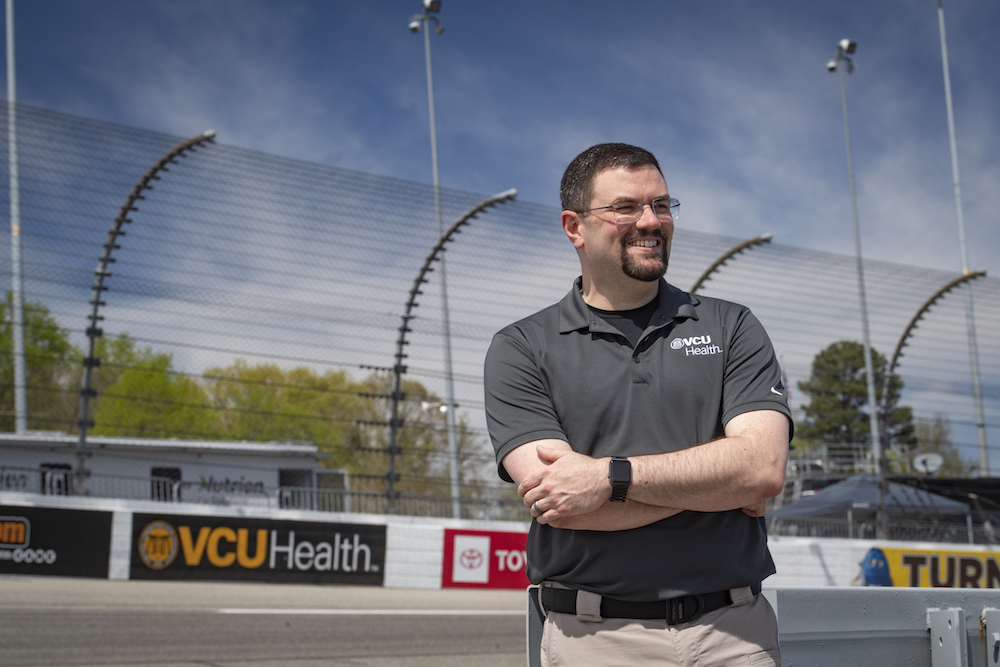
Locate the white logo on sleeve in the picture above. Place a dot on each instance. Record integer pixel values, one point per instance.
(775, 391)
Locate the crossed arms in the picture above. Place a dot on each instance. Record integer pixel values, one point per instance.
(738, 471)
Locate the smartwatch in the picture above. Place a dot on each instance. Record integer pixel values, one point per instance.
(620, 476)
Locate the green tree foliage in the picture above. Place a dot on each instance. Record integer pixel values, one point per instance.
(140, 394)
(838, 410)
(145, 397)
(265, 402)
(424, 462)
(52, 370)
(118, 355)
(934, 436)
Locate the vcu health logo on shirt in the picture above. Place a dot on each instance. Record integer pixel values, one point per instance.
(695, 345)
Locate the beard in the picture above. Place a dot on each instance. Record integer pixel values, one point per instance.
(649, 269)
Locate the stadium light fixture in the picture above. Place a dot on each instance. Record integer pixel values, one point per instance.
(432, 7)
(844, 48)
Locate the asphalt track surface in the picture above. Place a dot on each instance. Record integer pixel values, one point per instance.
(66, 621)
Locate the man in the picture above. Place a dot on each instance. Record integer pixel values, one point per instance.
(645, 428)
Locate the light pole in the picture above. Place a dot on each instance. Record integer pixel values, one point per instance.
(842, 62)
(426, 18)
(16, 282)
(970, 319)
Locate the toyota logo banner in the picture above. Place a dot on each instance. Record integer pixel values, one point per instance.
(484, 559)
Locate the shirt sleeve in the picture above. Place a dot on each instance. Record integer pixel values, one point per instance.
(518, 407)
(753, 374)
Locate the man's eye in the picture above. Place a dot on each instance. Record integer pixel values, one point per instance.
(626, 209)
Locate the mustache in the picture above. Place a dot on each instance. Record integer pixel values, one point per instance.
(635, 235)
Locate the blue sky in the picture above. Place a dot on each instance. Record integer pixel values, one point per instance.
(733, 96)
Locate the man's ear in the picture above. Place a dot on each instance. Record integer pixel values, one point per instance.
(572, 225)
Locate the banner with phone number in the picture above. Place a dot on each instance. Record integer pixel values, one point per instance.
(60, 542)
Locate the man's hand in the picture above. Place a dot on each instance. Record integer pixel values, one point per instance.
(567, 484)
(756, 510)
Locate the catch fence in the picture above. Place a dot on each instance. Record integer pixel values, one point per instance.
(242, 267)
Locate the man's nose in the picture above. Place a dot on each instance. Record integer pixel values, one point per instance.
(648, 219)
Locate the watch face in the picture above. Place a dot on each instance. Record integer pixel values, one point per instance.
(620, 472)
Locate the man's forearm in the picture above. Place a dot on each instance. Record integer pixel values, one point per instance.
(738, 471)
(726, 474)
(612, 516)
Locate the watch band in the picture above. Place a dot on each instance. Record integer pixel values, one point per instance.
(620, 476)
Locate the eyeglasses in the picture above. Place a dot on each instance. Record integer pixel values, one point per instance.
(626, 212)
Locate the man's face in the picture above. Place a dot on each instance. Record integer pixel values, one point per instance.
(640, 249)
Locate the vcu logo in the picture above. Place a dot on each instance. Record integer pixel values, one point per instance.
(158, 545)
(15, 532)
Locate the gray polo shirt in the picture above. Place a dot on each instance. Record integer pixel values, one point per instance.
(565, 373)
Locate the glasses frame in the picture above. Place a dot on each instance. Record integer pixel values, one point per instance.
(674, 206)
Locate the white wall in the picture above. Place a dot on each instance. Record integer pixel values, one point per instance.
(415, 545)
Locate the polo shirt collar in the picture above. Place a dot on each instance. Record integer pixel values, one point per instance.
(574, 314)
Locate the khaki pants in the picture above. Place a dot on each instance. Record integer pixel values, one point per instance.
(736, 635)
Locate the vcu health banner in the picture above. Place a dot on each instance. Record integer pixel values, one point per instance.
(229, 548)
(66, 543)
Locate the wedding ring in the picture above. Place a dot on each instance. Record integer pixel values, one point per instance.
(538, 510)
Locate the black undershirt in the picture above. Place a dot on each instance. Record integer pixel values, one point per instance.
(630, 322)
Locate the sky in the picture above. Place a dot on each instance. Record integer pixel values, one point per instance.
(734, 97)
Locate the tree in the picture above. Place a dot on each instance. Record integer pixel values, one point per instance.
(934, 437)
(424, 461)
(265, 402)
(141, 395)
(51, 368)
(838, 410)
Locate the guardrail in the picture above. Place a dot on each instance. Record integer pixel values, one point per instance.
(59, 482)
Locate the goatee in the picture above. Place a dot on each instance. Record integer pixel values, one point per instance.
(646, 270)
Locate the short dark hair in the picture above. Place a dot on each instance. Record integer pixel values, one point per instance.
(576, 188)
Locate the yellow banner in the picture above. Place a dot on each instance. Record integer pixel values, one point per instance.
(922, 568)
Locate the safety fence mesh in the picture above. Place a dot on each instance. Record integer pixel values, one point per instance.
(244, 266)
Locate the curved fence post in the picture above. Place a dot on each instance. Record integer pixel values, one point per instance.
(395, 423)
(726, 256)
(90, 362)
(911, 327)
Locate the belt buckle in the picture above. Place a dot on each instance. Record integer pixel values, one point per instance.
(676, 609)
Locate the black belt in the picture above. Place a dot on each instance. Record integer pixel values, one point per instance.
(684, 609)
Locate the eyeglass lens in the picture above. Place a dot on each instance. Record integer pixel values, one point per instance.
(631, 211)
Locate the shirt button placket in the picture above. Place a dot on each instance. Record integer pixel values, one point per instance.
(638, 372)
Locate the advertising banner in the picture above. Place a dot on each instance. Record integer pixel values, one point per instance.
(484, 559)
(229, 548)
(931, 568)
(65, 543)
